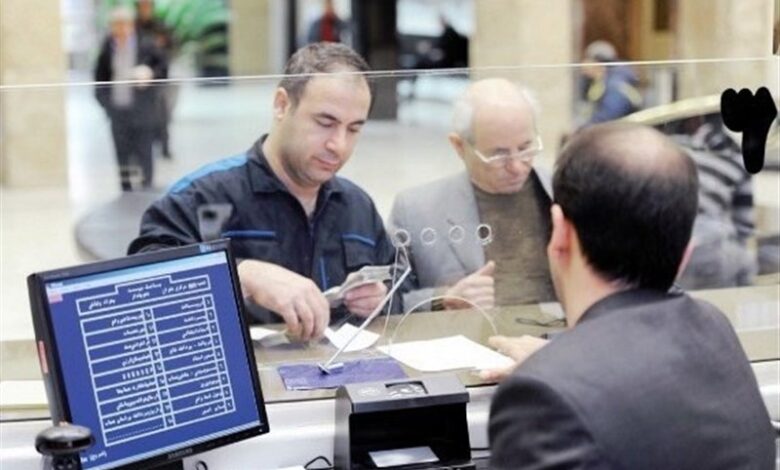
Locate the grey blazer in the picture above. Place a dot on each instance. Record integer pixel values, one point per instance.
(645, 380)
(431, 214)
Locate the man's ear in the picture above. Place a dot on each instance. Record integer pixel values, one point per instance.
(685, 258)
(457, 143)
(282, 103)
(562, 233)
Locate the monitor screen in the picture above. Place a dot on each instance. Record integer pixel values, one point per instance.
(152, 356)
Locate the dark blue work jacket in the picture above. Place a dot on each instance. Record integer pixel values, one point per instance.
(266, 222)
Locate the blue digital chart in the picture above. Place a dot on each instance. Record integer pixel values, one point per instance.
(156, 358)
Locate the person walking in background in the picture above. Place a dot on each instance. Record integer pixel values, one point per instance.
(454, 46)
(328, 27)
(610, 90)
(154, 30)
(725, 220)
(131, 107)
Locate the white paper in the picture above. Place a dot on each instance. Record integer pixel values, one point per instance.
(452, 352)
(257, 333)
(553, 309)
(364, 340)
(22, 393)
(757, 316)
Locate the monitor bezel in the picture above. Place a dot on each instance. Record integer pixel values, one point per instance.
(50, 360)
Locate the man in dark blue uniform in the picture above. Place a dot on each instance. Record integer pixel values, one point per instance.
(296, 228)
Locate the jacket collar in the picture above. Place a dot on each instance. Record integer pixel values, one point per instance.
(624, 299)
(263, 179)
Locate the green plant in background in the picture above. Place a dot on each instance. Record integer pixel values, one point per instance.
(198, 27)
(202, 24)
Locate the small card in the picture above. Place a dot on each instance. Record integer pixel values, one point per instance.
(406, 456)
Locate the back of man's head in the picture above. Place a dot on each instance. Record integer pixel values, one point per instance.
(317, 58)
(631, 195)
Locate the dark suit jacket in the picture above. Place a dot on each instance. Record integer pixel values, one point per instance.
(645, 380)
(145, 110)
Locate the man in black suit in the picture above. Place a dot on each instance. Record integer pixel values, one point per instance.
(133, 105)
(644, 379)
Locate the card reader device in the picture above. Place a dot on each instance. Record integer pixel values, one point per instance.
(418, 423)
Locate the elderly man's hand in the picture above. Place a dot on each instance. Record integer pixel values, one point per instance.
(517, 348)
(296, 298)
(363, 300)
(478, 288)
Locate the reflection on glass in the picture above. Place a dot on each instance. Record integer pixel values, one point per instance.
(734, 263)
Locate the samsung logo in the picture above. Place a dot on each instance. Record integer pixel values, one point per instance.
(179, 453)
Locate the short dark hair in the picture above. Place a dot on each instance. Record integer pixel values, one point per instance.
(320, 57)
(632, 196)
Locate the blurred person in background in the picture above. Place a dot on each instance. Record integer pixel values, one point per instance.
(610, 91)
(328, 27)
(152, 29)
(725, 219)
(132, 106)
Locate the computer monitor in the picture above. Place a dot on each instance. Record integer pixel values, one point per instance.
(151, 352)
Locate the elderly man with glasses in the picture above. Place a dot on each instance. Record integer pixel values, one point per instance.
(479, 236)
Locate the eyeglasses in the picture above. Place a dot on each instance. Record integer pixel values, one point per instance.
(502, 157)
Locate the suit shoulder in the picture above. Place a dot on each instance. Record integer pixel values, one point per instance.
(436, 190)
(524, 409)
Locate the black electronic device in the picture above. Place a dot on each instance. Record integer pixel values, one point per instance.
(418, 423)
(60, 445)
(151, 353)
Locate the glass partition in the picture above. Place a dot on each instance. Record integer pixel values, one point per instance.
(414, 168)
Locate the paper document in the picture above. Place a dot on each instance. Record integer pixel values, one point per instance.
(553, 309)
(364, 340)
(452, 352)
(257, 333)
(757, 316)
(22, 394)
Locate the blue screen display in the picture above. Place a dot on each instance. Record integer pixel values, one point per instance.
(153, 358)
